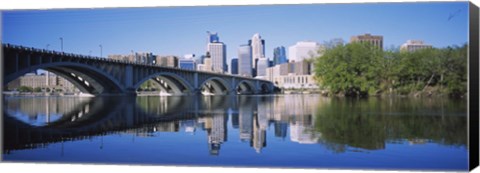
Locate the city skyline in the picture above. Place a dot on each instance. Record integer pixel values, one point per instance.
(121, 30)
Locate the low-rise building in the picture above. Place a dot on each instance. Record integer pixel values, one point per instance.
(414, 45)
(167, 61)
(188, 62)
(43, 81)
(293, 75)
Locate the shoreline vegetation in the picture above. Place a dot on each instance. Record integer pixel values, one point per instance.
(362, 70)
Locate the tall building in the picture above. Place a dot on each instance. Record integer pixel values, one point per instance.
(212, 37)
(262, 66)
(414, 45)
(258, 49)
(187, 62)
(304, 50)
(245, 60)
(218, 53)
(279, 56)
(234, 66)
(375, 40)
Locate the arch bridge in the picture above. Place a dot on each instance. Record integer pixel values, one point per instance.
(102, 76)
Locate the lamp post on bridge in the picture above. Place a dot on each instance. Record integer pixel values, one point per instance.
(47, 46)
(101, 49)
(61, 43)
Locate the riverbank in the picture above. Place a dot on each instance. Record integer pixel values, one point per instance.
(43, 94)
(426, 93)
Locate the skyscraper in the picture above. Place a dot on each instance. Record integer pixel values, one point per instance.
(234, 66)
(245, 60)
(279, 55)
(303, 50)
(258, 49)
(375, 40)
(262, 66)
(218, 53)
(212, 37)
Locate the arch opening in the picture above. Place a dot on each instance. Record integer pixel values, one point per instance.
(265, 88)
(51, 81)
(244, 88)
(85, 78)
(163, 84)
(214, 86)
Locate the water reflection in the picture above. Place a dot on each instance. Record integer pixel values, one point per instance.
(340, 125)
(370, 124)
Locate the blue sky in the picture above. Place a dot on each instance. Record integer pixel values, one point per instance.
(182, 30)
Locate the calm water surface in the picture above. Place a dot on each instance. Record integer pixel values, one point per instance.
(296, 131)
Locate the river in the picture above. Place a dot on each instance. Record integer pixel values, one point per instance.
(285, 131)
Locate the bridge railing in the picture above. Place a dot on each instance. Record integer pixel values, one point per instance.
(32, 49)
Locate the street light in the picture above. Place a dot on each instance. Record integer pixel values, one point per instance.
(61, 43)
(101, 47)
(47, 46)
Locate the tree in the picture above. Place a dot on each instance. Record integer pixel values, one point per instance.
(37, 89)
(456, 71)
(25, 89)
(351, 70)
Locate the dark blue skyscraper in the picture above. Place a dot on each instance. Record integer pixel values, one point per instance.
(234, 66)
(212, 37)
(279, 55)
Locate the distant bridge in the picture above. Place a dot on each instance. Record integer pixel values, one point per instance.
(102, 76)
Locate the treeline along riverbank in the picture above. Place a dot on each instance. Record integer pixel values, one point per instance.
(362, 70)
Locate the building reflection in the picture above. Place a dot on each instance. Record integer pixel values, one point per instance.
(302, 119)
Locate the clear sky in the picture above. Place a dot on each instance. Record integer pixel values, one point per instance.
(182, 30)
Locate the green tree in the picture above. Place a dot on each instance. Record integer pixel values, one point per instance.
(444, 69)
(351, 70)
(456, 71)
(25, 89)
(37, 89)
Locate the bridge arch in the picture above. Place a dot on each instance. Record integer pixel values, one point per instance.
(177, 83)
(218, 85)
(86, 78)
(265, 88)
(245, 87)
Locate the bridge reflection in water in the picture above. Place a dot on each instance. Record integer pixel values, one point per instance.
(338, 125)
